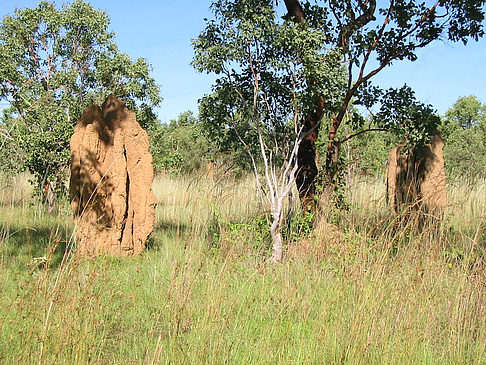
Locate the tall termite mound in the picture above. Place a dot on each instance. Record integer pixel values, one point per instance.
(416, 178)
(111, 181)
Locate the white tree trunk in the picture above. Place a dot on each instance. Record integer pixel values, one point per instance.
(276, 232)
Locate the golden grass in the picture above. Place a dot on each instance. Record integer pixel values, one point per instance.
(359, 290)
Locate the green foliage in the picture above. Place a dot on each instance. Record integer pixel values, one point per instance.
(395, 30)
(372, 35)
(254, 233)
(464, 131)
(368, 153)
(349, 32)
(466, 113)
(299, 226)
(248, 45)
(411, 121)
(365, 144)
(180, 146)
(387, 31)
(53, 63)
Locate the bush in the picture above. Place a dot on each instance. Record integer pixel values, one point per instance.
(180, 147)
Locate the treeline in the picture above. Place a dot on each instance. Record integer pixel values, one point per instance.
(184, 145)
(55, 62)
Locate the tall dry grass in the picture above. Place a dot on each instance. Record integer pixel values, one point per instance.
(356, 290)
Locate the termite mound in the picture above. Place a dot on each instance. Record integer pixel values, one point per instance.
(111, 181)
(416, 178)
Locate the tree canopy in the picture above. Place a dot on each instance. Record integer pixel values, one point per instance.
(464, 129)
(53, 63)
(247, 41)
(355, 40)
(467, 112)
(372, 35)
(181, 146)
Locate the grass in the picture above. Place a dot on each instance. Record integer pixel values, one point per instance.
(356, 291)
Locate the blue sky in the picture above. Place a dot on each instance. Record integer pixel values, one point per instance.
(160, 31)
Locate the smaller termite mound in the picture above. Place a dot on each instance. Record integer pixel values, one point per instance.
(111, 181)
(415, 179)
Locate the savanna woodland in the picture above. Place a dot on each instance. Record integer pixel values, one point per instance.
(294, 221)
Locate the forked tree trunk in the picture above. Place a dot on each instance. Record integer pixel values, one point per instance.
(307, 172)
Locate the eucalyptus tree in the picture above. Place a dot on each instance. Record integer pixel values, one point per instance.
(364, 37)
(264, 65)
(370, 36)
(53, 63)
(466, 113)
(464, 129)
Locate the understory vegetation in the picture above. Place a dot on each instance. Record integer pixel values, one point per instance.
(358, 289)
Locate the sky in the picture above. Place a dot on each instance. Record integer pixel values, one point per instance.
(161, 31)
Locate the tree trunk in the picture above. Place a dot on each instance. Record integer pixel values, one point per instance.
(276, 228)
(277, 248)
(306, 160)
(307, 172)
(328, 177)
(295, 11)
(333, 147)
(332, 160)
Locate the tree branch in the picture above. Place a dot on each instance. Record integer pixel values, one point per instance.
(295, 10)
(360, 133)
(355, 24)
(377, 39)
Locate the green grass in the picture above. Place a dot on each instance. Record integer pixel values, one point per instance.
(357, 291)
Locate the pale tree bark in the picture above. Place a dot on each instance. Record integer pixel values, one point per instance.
(276, 184)
(281, 188)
